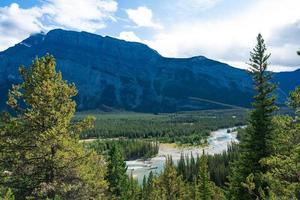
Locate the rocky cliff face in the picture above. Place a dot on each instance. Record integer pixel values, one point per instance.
(111, 73)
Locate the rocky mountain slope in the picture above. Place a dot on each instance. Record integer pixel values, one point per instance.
(115, 74)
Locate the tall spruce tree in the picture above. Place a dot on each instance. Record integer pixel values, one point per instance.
(41, 156)
(254, 145)
(116, 176)
(205, 186)
(144, 188)
(150, 187)
(181, 166)
(283, 165)
(192, 168)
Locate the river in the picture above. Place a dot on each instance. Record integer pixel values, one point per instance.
(218, 142)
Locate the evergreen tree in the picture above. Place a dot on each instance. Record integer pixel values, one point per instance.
(40, 154)
(181, 167)
(194, 190)
(294, 100)
(150, 186)
(205, 185)
(254, 145)
(169, 185)
(144, 188)
(283, 167)
(134, 191)
(8, 196)
(193, 168)
(116, 176)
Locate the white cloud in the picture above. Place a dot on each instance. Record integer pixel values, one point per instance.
(129, 36)
(15, 23)
(89, 15)
(231, 38)
(143, 17)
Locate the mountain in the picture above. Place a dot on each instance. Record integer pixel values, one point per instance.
(287, 81)
(115, 74)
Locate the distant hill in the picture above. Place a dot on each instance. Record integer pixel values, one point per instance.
(115, 74)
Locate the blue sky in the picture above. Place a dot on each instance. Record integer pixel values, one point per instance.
(224, 30)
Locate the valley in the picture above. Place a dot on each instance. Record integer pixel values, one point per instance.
(218, 141)
(147, 140)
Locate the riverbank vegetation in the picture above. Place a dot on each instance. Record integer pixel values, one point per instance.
(218, 166)
(184, 127)
(131, 149)
(42, 157)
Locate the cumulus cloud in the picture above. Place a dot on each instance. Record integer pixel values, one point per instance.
(142, 17)
(17, 23)
(89, 15)
(231, 38)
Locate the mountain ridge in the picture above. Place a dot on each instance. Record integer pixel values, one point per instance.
(109, 72)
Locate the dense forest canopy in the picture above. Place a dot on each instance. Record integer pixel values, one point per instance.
(132, 149)
(183, 127)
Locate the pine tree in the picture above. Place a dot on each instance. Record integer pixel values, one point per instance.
(150, 186)
(116, 176)
(195, 190)
(254, 145)
(192, 169)
(294, 100)
(8, 196)
(204, 184)
(169, 185)
(283, 168)
(134, 192)
(282, 175)
(40, 151)
(144, 188)
(181, 166)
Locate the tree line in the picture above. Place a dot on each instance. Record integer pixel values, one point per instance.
(218, 165)
(182, 128)
(131, 149)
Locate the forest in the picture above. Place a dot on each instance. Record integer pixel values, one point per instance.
(191, 128)
(42, 155)
(218, 166)
(132, 149)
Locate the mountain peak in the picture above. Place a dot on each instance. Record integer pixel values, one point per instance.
(109, 72)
